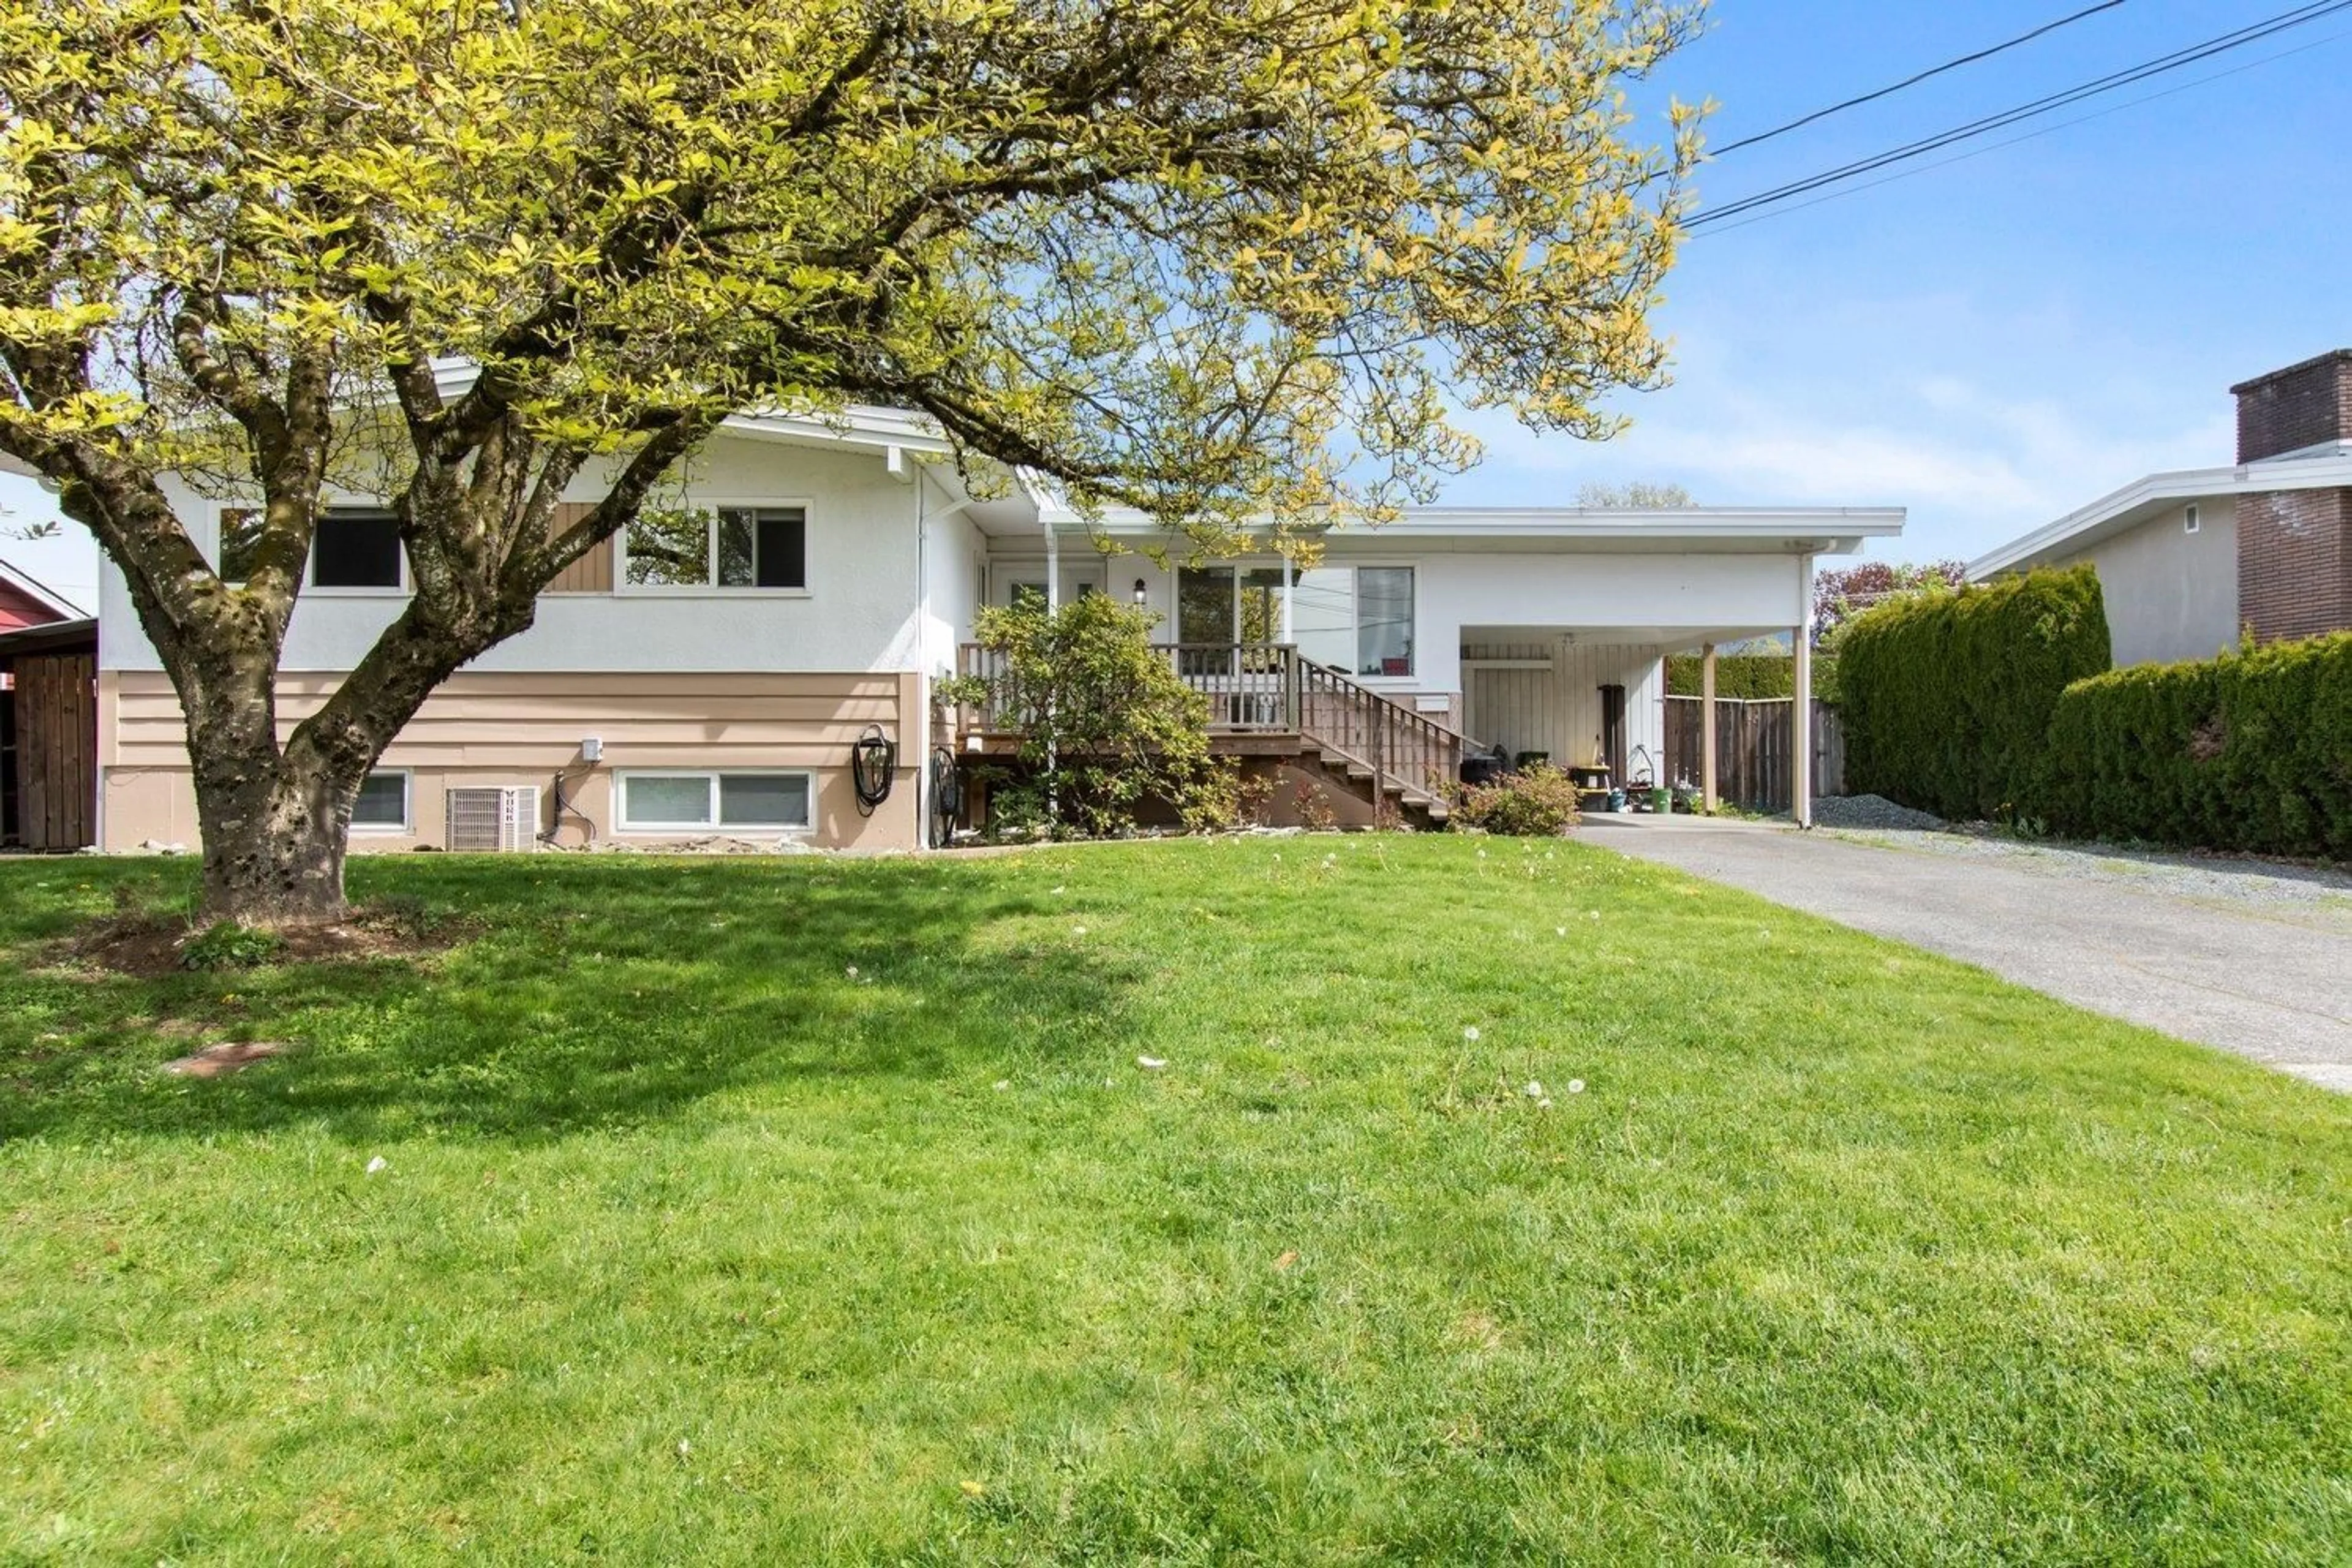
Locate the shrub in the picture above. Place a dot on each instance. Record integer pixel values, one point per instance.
(1108, 726)
(1538, 802)
(1947, 697)
(1749, 676)
(2251, 751)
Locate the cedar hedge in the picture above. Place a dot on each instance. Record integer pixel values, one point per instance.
(1947, 697)
(2251, 751)
(1750, 677)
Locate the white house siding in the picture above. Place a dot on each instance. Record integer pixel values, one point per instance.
(860, 612)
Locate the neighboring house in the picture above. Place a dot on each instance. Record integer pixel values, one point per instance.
(26, 602)
(2192, 559)
(48, 717)
(673, 688)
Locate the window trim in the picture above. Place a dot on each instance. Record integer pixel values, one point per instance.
(623, 823)
(406, 826)
(310, 588)
(710, 587)
(2190, 518)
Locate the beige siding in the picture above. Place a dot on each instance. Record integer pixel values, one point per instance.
(522, 729)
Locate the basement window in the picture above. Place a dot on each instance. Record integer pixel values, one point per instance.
(674, 800)
(383, 803)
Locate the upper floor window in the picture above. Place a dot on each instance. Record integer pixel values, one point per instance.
(724, 547)
(2190, 520)
(353, 547)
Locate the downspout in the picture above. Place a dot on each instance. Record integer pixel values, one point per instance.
(922, 750)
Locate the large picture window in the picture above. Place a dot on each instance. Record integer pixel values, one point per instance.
(678, 800)
(1357, 618)
(723, 547)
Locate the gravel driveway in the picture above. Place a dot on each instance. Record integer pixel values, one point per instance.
(2249, 956)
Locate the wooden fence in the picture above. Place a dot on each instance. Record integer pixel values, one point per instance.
(1753, 764)
(52, 768)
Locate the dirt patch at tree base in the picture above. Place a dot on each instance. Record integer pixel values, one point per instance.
(148, 946)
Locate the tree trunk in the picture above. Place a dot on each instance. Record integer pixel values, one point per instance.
(273, 819)
(274, 838)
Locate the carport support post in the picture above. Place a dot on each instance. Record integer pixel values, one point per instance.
(1706, 730)
(1800, 709)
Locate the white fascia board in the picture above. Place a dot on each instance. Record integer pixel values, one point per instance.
(858, 425)
(2144, 497)
(1836, 530)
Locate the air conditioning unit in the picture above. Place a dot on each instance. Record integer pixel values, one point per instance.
(487, 819)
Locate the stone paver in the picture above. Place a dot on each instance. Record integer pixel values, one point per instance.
(2255, 959)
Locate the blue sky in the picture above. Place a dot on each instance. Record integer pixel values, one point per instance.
(1990, 343)
(1998, 342)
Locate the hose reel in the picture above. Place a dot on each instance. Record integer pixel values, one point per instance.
(873, 764)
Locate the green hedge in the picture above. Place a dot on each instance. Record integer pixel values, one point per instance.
(1750, 676)
(1947, 698)
(2251, 751)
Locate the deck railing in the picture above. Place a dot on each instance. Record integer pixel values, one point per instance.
(1252, 687)
(1257, 688)
(1344, 715)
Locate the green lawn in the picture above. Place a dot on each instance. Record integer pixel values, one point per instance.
(816, 1211)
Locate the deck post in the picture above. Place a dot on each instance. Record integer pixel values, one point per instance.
(1800, 708)
(1707, 730)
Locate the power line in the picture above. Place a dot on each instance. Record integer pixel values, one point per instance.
(1951, 64)
(2180, 59)
(1765, 216)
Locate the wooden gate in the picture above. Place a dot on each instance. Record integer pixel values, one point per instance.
(53, 758)
(1752, 764)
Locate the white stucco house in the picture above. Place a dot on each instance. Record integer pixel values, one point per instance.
(669, 691)
(2192, 559)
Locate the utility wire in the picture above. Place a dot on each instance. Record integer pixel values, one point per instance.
(2177, 59)
(1913, 80)
(1783, 211)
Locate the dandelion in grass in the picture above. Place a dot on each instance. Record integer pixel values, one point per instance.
(1534, 1089)
(1058, 891)
(853, 972)
(1560, 930)
(1077, 931)
(1576, 1085)
(1471, 1034)
(377, 1165)
(1002, 1084)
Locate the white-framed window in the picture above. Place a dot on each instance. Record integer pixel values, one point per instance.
(2189, 522)
(353, 548)
(1358, 618)
(723, 545)
(678, 800)
(383, 803)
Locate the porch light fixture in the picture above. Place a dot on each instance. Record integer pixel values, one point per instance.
(1142, 592)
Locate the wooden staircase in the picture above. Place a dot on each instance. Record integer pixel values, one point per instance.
(1398, 761)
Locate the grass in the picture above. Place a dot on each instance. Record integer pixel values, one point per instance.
(692, 1245)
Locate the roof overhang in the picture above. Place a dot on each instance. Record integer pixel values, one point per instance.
(49, 636)
(1782, 530)
(2138, 502)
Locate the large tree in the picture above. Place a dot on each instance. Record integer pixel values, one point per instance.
(1205, 256)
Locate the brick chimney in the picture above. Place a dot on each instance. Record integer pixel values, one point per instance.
(2294, 547)
(2306, 405)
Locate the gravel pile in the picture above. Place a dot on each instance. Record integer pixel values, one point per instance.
(1872, 811)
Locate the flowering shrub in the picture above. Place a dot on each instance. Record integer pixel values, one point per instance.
(1538, 802)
